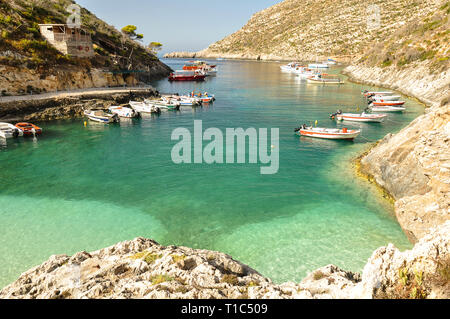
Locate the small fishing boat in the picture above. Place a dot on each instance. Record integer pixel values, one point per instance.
(384, 98)
(369, 93)
(204, 97)
(190, 101)
(291, 67)
(387, 103)
(355, 117)
(387, 108)
(101, 116)
(9, 131)
(29, 129)
(318, 66)
(142, 107)
(304, 72)
(331, 62)
(197, 75)
(165, 103)
(322, 79)
(123, 111)
(328, 133)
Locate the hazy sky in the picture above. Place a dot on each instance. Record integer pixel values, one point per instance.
(179, 25)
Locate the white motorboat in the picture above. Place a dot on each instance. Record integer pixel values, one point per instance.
(9, 131)
(123, 111)
(385, 98)
(318, 66)
(328, 133)
(387, 108)
(291, 67)
(165, 103)
(373, 93)
(356, 117)
(101, 116)
(321, 79)
(142, 107)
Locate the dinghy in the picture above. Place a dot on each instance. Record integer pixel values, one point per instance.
(101, 116)
(355, 117)
(142, 107)
(124, 112)
(165, 103)
(9, 131)
(328, 133)
(29, 129)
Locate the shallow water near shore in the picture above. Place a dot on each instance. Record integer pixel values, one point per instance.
(85, 188)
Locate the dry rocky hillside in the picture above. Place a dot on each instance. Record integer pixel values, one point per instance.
(29, 64)
(315, 29)
(143, 269)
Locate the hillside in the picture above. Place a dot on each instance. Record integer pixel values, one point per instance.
(29, 64)
(315, 29)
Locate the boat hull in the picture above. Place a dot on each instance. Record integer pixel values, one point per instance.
(388, 109)
(313, 81)
(329, 135)
(361, 118)
(186, 78)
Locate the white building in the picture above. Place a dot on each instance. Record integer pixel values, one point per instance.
(73, 41)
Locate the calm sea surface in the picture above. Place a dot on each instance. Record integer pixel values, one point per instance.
(84, 188)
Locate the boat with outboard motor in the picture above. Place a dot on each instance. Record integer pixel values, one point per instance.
(373, 93)
(98, 115)
(358, 117)
(327, 133)
(123, 111)
(143, 107)
(8, 130)
(165, 103)
(390, 109)
(318, 66)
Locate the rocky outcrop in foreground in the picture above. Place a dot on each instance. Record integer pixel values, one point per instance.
(141, 268)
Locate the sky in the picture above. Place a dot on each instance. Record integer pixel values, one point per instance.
(179, 25)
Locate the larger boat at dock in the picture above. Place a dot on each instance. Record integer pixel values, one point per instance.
(183, 75)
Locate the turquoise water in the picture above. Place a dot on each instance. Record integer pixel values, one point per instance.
(84, 188)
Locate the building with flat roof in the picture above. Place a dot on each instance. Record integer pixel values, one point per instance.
(68, 40)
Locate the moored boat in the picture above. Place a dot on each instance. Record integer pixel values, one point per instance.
(29, 129)
(384, 98)
(356, 117)
(321, 79)
(179, 75)
(328, 133)
(8, 130)
(142, 107)
(198, 65)
(165, 103)
(101, 116)
(204, 97)
(387, 108)
(291, 67)
(123, 111)
(387, 103)
(373, 93)
(318, 66)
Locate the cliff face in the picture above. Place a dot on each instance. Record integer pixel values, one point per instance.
(143, 269)
(29, 64)
(315, 29)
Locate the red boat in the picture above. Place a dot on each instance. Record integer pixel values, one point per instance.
(29, 129)
(187, 76)
(388, 103)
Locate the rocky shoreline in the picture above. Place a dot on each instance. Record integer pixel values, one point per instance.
(143, 269)
(413, 166)
(68, 105)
